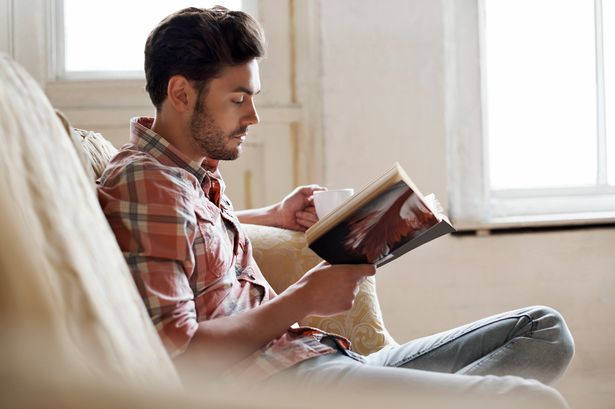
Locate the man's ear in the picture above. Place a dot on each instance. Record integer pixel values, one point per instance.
(180, 93)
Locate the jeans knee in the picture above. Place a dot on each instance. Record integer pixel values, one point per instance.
(553, 325)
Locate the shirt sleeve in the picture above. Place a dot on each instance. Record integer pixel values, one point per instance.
(151, 212)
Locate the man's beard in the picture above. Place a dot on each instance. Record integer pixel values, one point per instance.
(210, 139)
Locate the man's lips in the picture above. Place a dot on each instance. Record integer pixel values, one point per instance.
(241, 134)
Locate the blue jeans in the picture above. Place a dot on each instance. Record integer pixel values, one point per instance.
(505, 359)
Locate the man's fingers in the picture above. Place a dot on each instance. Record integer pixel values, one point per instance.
(308, 213)
(365, 270)
(313, 188)
(304, 223)
(308, 191)
(306, 218)
(310, 209)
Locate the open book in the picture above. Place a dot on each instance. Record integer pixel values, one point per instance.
(386, 219)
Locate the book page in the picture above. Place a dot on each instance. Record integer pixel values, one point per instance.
(377, 228)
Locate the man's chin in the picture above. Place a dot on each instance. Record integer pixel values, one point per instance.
(231, 155)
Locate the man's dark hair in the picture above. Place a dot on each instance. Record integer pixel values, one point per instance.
(199, 44)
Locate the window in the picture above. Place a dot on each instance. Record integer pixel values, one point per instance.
(91, 47)
(32, 32)
(546, 151)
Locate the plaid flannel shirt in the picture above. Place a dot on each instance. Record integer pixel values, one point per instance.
(187, 251)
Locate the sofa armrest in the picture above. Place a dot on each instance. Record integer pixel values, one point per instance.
(283, 257)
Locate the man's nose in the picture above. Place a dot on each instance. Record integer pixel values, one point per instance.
(252, 118)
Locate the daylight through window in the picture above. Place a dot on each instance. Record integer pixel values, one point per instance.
(107, 39)
(550, 106)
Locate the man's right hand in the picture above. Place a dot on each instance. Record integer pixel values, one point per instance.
(324, 290)
(331, 289)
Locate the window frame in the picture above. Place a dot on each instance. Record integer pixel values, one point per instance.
(291, 107)
(473, 205)
(58, 52)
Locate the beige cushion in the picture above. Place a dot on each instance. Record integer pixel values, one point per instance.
(99, 150)
(284, 257)
(61, 270)
(93, 149)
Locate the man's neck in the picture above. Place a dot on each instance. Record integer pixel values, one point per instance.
(175, 133)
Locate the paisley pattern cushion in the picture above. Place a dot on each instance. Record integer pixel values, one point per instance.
(284, 257)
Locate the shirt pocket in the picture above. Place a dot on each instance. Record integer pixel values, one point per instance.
(213, 250)
(256, 280)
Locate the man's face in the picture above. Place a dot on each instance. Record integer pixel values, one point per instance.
(220, 121)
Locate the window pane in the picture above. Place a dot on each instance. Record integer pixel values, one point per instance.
(541, 93)
(608, 29)
(110, 35)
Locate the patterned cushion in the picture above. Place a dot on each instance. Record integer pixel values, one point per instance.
(284, 257)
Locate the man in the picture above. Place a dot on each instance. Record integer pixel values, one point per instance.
(164, 198)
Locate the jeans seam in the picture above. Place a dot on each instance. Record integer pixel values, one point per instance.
(530, 334)
(491, 355)
(433, 348)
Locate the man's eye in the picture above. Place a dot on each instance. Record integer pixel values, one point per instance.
(238, 101)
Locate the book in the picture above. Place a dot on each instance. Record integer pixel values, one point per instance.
(385, 220)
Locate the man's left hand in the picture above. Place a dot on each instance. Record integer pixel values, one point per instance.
(296, 211)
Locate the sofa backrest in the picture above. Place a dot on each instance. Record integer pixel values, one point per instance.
(61, 270)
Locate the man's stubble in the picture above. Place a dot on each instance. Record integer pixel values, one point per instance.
(210, 139)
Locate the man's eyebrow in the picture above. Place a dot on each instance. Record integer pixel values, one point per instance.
(246, 90)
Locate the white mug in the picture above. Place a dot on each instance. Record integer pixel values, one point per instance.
(326, 201)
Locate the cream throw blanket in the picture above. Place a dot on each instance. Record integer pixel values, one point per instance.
(62, 275)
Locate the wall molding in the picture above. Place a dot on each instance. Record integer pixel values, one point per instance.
(6, 22)
(93, 117)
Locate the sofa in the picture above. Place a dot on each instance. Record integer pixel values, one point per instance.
(71, 313)
(75, 333)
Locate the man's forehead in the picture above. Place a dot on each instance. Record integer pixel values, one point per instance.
(239, 78)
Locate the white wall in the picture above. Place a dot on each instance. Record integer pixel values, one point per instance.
(383, 91)
(383, 85)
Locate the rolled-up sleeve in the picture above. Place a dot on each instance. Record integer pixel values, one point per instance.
(152, 215)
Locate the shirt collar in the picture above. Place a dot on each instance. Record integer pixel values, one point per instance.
(149, 141)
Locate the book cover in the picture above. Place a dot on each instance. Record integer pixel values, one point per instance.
(385, 220)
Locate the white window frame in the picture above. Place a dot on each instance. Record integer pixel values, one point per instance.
(6, 27)
(58, 52)
(472, 204)
(28, 33)
(25, 35)
(57, 57)
(31, 33)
